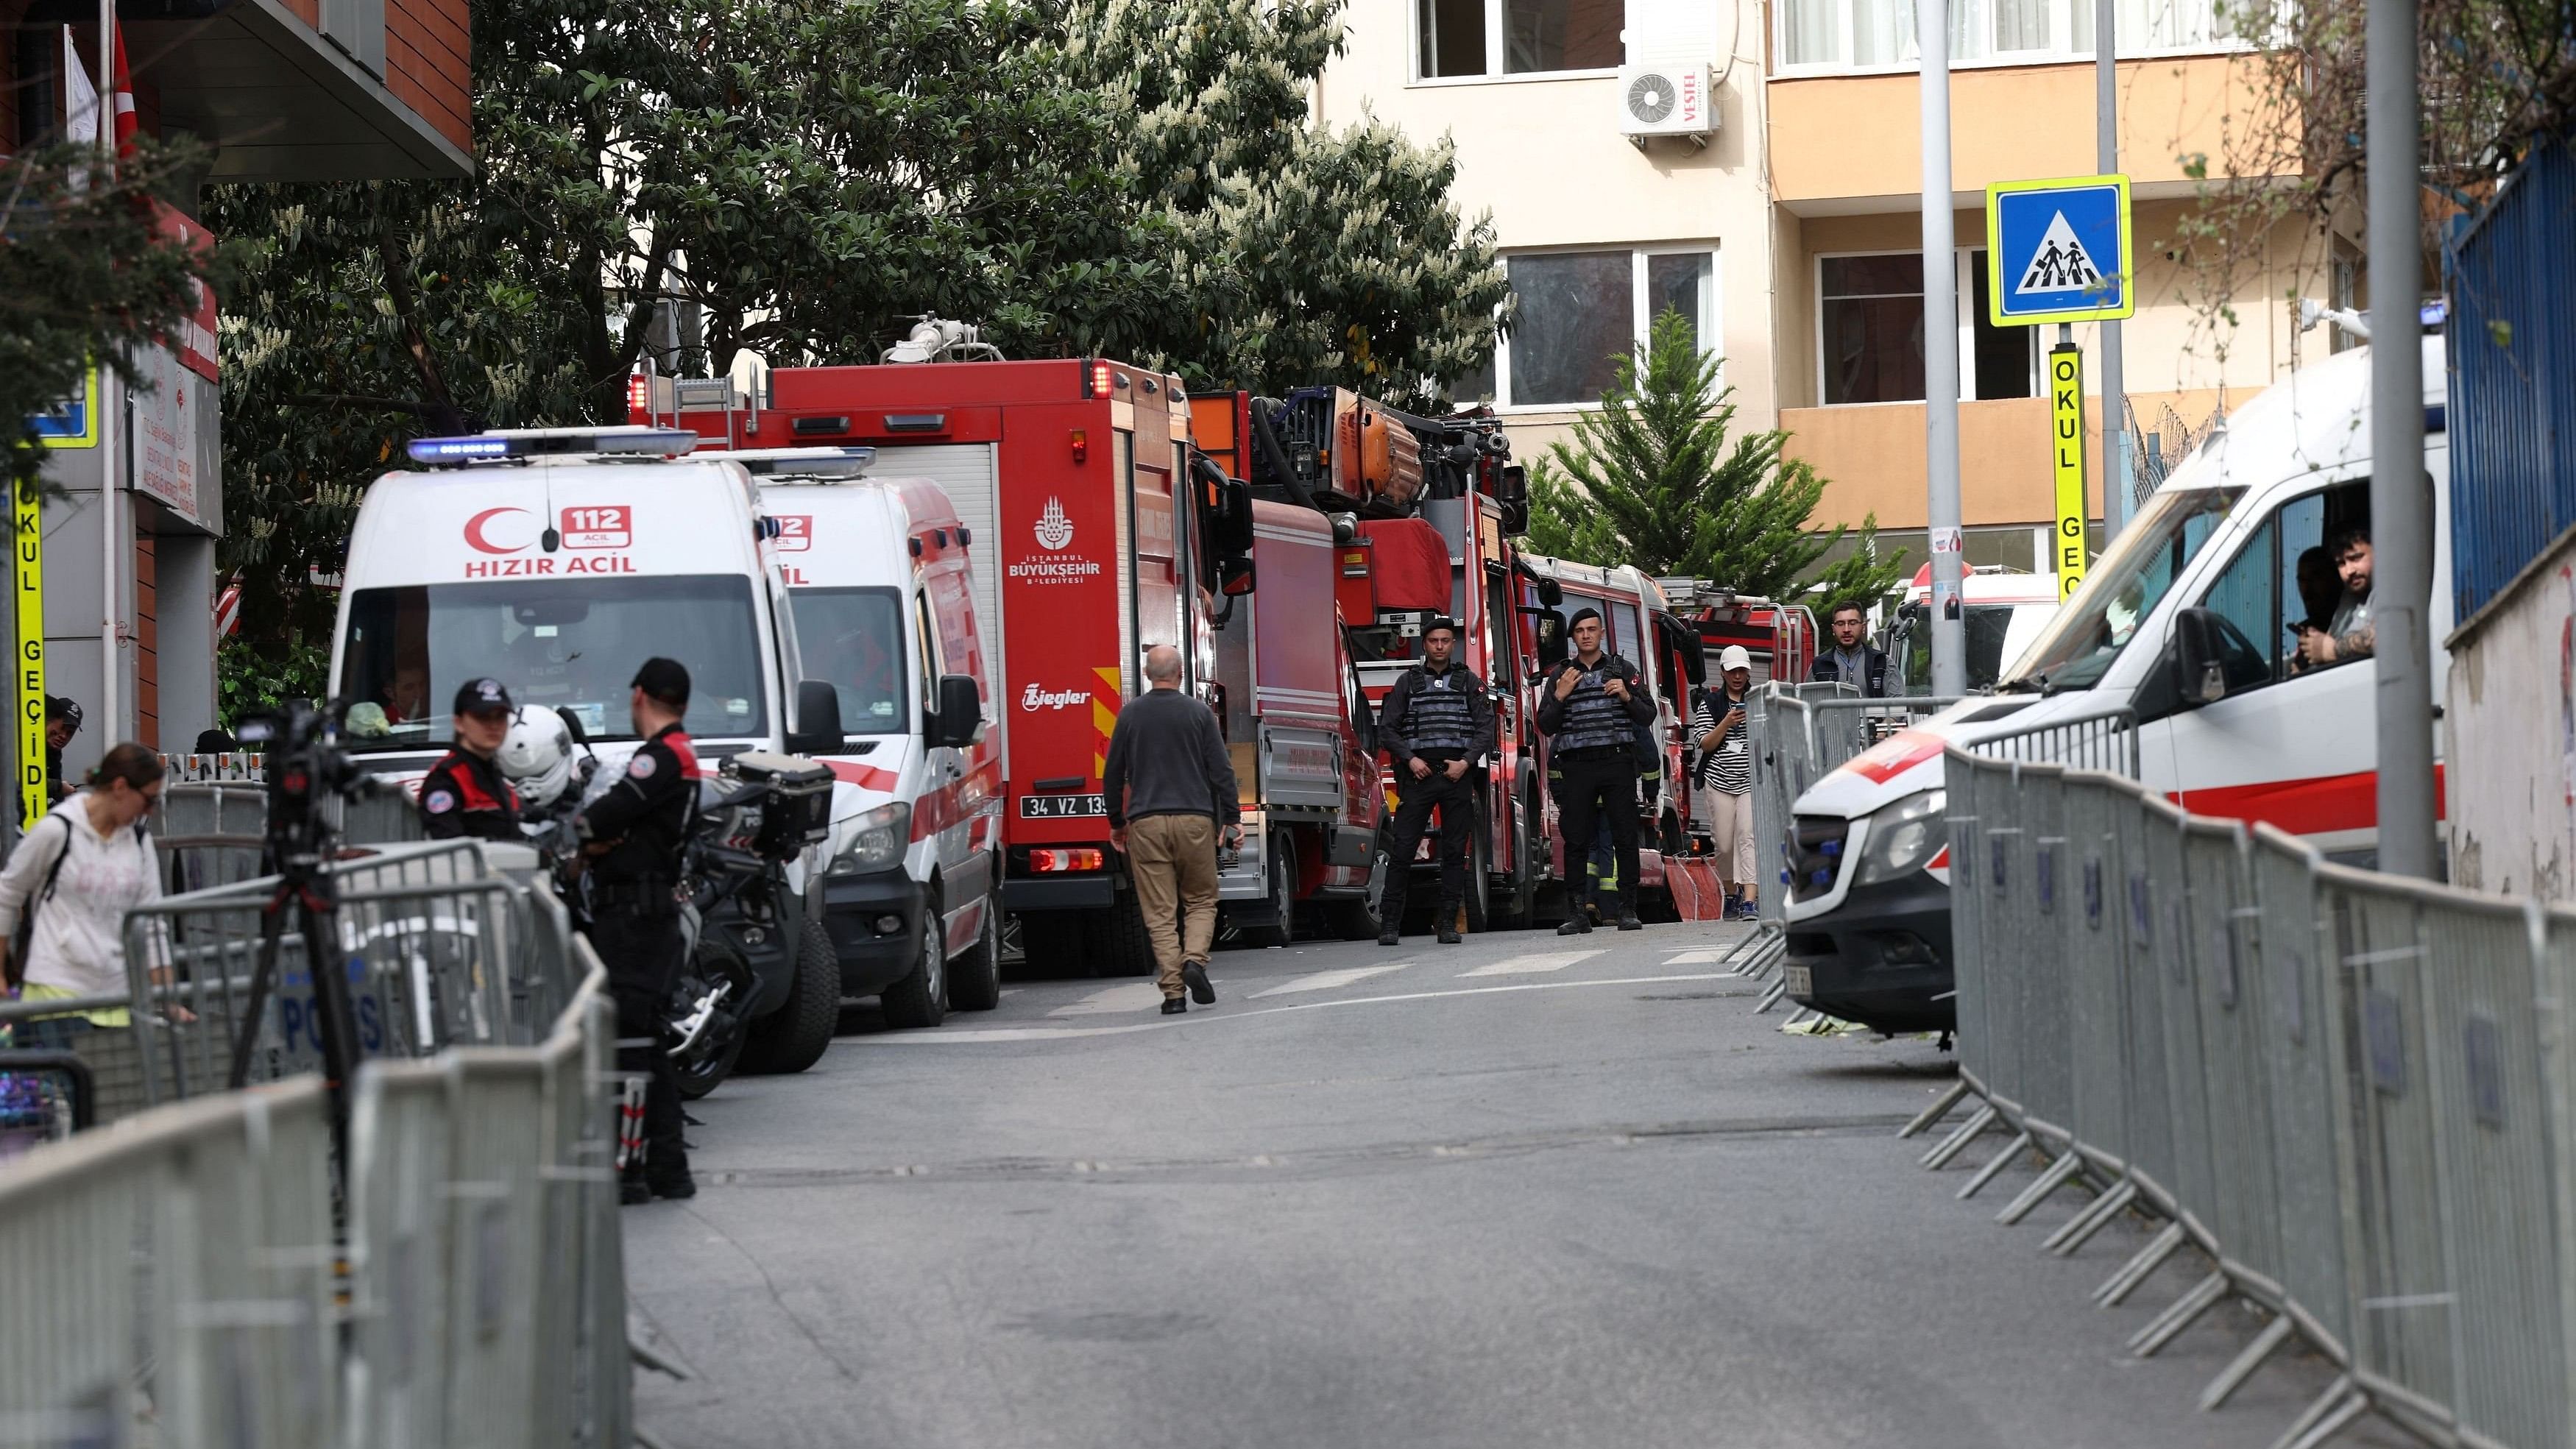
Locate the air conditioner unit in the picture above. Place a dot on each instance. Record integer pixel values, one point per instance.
(1666, 98)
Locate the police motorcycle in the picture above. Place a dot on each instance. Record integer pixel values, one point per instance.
(753, 819)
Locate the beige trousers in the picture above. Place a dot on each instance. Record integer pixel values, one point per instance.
(1173, 861)
(1730, 821)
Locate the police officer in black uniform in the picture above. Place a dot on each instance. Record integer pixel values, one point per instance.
(1437, 727)
(1590, 706)
(464, 794)
(633, 836)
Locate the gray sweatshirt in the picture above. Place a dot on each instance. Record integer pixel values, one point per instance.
(1167, 758)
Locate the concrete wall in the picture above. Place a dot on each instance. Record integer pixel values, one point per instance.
(2509, 743)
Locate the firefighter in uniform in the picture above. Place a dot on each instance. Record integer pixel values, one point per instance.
(1589, 706)
(1438, 727)
(633, 836)
(464, 794)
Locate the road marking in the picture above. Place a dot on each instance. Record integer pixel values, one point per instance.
(1709, 957)
(1327, 980)
(1135, 996)
(1533, 964)
(979, 1035)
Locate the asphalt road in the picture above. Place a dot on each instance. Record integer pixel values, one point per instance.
(1521, 1192)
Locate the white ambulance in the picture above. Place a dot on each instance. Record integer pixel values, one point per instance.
(2192, 621)
(878, 578)
(556, 561)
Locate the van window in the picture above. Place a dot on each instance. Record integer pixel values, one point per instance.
(2284, 579)
(2124, 588)
(570, 645)
(854, 638)
(1989, 629)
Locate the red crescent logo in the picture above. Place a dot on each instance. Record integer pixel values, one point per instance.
(474, 530)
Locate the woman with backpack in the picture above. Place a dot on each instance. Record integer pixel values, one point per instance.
(65, 891)
(1724, 779)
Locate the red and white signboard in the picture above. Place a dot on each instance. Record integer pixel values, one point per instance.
(795, 532)
(608, 526)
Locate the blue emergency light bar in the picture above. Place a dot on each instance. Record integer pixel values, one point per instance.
(504, 444)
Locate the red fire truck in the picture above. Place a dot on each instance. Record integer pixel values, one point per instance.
(1095, 541)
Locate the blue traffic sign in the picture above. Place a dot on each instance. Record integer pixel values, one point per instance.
(2059, 251)
(73, 422)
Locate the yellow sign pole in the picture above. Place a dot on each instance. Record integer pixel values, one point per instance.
(31, 653)
(2066, 407)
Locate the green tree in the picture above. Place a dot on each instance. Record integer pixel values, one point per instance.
(85, 273)
(1655, 479)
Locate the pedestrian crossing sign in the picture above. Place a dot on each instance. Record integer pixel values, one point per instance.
(2059, 251)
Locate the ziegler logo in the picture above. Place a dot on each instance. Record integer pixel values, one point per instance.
(1055, 531)
(1036, 698)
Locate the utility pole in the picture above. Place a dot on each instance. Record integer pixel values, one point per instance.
(2115, 398)
(1941, 356)
(2401, 496)
(112, 433)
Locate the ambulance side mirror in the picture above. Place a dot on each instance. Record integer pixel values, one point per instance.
(2200, 669)
(818, 719)
(960, 714)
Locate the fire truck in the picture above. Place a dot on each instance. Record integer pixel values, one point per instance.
(1782, 638)
(1423, 513)
(1074, 476)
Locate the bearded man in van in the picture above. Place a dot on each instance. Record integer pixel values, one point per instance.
(2353, 633)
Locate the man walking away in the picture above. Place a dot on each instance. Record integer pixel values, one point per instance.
(1589, 707)
(633, 836)
(1438, 727)
(464, 793)
(1169, 783)
(1725, 780)
(1852, 659)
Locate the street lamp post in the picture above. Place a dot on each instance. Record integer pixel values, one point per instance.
(1941, 357)
(2401, 495)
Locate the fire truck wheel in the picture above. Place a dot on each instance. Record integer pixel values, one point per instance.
(1274, 921)
(793, 1037)
(1051, 943)
(921, 998)
(975, 979)
(1116, 941)
(1480, 877)
(1511, 909)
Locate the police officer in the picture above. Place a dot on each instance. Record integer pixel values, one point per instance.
(633, 836)
(1589, 706)
(1437, 726)
(464, 793)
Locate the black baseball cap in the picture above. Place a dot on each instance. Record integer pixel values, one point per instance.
(1586, 612)
(482, 696)
(1438, 622)
(66, 710)
(666, 680)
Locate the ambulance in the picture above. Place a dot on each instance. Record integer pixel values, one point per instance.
(2190, 624)
(2005, 609)
(556, 561)
(880, 582)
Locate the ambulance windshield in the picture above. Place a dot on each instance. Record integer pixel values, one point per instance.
(2122, 591)
(854, 638)
(572, 646)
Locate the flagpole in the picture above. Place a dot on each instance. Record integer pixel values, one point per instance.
(111, 437)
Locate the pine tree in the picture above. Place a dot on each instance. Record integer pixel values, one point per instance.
(1655, 479)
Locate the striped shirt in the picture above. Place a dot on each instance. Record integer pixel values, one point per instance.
(1728, 769)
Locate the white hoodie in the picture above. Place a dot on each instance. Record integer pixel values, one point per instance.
(78, 943)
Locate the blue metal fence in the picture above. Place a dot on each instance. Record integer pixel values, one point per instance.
(2512, 278)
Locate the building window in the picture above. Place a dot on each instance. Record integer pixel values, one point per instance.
(1579, 313)
(1869, 322)
(1861, 34)
(1519, 37)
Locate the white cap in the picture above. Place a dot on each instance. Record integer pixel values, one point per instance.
(1734, 658)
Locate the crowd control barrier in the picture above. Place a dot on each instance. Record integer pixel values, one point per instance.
(1799, 734)
(205, 1272)
(2348, 1091)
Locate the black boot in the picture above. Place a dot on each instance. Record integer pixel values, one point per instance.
(1577, 924)
(1386, 935)
(1448, 935)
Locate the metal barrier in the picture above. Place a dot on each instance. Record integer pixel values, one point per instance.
(2349, 1091)
(184, 1276)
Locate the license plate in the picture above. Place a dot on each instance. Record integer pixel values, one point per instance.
(1062, 807)
(1802, 983)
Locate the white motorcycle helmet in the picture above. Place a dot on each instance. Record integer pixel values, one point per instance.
(537, 757)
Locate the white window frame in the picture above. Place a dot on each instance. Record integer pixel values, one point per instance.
(1965, 275)
(2061, 47)
(1712, 326)
(1497, 52)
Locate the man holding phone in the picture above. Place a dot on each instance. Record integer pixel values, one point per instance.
(1589, 707)
(1724, 779)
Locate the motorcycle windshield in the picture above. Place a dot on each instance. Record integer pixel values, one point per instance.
(571, 645)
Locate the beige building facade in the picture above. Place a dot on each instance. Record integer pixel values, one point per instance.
(1803, 205)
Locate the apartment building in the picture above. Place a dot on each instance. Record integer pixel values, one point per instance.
(278, 90)
(1790, 231)
(1603, 227)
